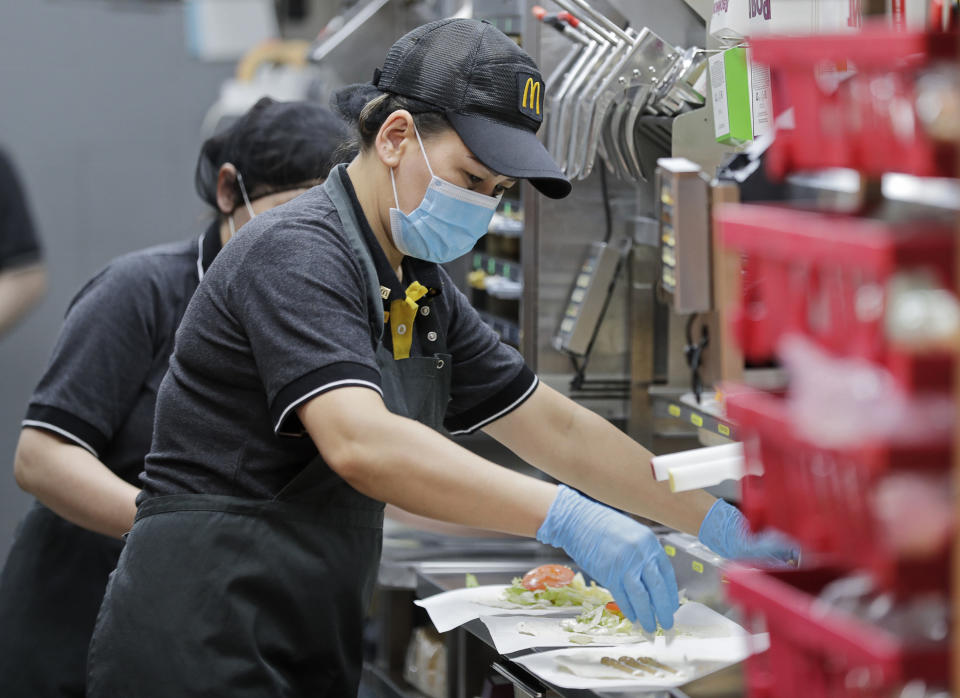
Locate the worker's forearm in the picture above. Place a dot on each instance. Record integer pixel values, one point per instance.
(20, 290)
(582, 449)
(434, 477)
(74, 484)
(405, 518)
(605, 463)
(402, 462)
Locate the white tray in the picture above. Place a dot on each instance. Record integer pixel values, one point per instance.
(692, 620)
(452, 609)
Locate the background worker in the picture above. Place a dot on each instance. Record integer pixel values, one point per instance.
(89, 423)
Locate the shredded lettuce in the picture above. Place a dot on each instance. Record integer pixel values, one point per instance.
(576, 593)
(598, 621)
(471, 581)
(581, 639)
(603, 621)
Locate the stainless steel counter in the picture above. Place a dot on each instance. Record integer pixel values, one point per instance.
(425, 564)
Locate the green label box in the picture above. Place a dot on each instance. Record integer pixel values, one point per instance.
(730, 86)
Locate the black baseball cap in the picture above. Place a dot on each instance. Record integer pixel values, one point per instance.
(275, 146)
(490, 90)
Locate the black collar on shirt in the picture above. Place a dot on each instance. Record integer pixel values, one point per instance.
(210, 245)
(426, 273)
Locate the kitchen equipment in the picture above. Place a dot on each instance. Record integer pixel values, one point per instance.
(609, 81)
(588, 299)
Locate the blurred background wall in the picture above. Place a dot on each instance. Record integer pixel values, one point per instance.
(100, 109)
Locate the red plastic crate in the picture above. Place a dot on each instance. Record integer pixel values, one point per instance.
(824, 276)
(868, 122)
(814, 654)
(822, 497)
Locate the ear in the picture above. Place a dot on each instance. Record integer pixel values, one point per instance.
(394, 137)
(227, 188)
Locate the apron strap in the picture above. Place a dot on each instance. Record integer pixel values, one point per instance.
(351, 227)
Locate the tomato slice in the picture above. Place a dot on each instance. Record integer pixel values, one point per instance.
(547, 575)
(614, 608)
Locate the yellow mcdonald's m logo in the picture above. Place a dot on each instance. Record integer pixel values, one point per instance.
(532, 90)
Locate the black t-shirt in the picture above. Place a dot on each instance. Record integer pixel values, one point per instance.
(18, 241)
(100, 386)
(283, 316)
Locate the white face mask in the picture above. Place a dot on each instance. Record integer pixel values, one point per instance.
(246, 202)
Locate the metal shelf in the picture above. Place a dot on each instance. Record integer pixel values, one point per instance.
(505, 227)
(495, 266)
(682, 408)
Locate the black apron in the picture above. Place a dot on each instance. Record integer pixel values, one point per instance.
(224, 596)
(50, 591)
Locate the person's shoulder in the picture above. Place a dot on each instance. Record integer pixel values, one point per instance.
(164, 261)
(146, 272)
(448, 288)
(310, 214)
(444, 276)
(307, 227)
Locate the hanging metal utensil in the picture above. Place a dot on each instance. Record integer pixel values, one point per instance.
(559, 82)
(609, 85)
(572, 65)
(676, 90)
(620, 133)
(572, 117)
(580, 132)
(568, 105)
(600, 18)
(645, 60)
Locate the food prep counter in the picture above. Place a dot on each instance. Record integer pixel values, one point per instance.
(418, 565)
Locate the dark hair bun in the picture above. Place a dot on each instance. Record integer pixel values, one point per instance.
(349, 101)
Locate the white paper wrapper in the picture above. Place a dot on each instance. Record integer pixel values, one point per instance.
(690, 658)
(451, 609)
(692, 620)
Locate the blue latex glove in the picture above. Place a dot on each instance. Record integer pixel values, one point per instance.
(621, 554)
(724, 530)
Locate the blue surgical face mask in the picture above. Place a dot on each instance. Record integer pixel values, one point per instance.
(246, 202)
(446, 224)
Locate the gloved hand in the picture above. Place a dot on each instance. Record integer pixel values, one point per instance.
(724, 530)
(621, 554)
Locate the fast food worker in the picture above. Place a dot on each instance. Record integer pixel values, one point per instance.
(321, 351)
(90, 421)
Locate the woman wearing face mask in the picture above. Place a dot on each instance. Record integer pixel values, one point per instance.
(89, 423)
(307, 374)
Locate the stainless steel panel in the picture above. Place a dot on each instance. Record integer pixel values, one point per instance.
(642, 300)
(694, 138)
(588, 298)
(556, 232)
(683, 207)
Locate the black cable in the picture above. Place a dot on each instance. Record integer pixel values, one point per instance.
(577, 381)
(580, 369)
(694, 355)
(608, 215)
(689, 329)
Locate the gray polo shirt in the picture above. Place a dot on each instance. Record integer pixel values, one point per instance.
(100, 385)
(283, 316)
